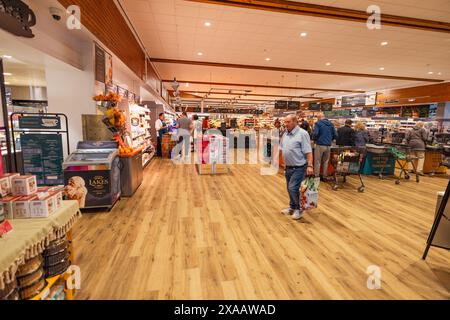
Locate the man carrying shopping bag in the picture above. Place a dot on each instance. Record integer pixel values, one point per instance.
(297, 155)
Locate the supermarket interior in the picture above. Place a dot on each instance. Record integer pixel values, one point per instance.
(224, 150)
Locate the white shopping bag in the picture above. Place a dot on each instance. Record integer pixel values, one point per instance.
(309, 193)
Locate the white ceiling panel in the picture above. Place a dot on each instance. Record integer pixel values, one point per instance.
(175, 29)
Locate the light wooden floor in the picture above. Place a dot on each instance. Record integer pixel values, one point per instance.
(185, 236)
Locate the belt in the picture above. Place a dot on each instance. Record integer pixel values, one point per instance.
(295, 167)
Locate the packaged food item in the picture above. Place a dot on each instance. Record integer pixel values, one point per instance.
(5, 227)
(56, 246)
(42, 207)
(31, 278)
(43, 189)
(24, 185)
(10, 176)
(33, 290)
(56, 293)
(8, 206)
(30, 266)
(2, 213)
(9, 288)
(5, 186)
(21, 207)
(58, 268)
(12, 296)
(58, 196)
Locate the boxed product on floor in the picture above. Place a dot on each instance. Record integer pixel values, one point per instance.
(24, 185)
(42, 207)
(8, 206)
(21, 207)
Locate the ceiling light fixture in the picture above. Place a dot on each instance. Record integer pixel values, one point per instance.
(384, 43)
(7, 74)
(7, 57)
(381, 68)
(303, 34)
(268, 59)
(7, 83)
(439, 73)
(187, 84)
(207, 24)
(200, 53)
(430, 72)
(328, 64)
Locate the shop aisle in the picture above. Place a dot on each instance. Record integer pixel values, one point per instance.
(185, 236)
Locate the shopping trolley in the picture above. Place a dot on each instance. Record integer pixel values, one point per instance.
(403, 157)
(348, 161)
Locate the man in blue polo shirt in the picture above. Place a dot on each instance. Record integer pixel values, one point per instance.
(298, 158)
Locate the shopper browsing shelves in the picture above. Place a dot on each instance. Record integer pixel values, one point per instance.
(161, 129)
(297, 155)
(324, 134)
(185, 128)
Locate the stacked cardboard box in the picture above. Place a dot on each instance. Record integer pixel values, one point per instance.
(22, 199)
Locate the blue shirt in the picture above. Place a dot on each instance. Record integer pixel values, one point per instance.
(295, 145)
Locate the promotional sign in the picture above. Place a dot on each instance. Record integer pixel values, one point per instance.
(350, 101)
(43, 156)
(17, 18)
(293, 105)
(281, 105)
(39, 122)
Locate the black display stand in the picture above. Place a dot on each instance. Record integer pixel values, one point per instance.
(38, 130)
(437, 221)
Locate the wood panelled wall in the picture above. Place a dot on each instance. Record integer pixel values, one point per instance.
(105, 21)
(423, 94)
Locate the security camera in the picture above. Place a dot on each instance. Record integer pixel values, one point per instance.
(56, 13)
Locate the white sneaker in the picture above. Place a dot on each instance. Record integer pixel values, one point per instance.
(297, 215)
(287, 212)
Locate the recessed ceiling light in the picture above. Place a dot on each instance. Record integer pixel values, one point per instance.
(207, 24)
(303, 34)
(384, 43)
(7, 83)
(381, 68)
(7, 74)
(328, 64)
(268, 59)
(430, 72)
(200, 53)
(7, 57)
(439, 73)
(187, 84)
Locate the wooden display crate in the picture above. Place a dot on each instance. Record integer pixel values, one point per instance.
(212, 169)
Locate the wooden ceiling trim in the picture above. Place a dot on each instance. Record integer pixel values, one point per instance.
(293, 70)
(247, 94)
(248, 85)
(104, 21)
(329, 12)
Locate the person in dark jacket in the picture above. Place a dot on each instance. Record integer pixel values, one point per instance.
(346, 134)
(323, 135)
(361, 135)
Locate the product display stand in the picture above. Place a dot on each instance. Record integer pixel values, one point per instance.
(437, 221)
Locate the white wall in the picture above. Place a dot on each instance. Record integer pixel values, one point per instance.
(70, 91)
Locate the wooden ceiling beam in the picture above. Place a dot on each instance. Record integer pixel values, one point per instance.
(248, 85)
(294, 70)
(247, 94)
(299, 8)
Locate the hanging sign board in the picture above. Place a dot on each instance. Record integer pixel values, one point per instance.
(103, 65)
(293, 105)
(17, 18)
(281, 105)
(39, 122)
(43, 156)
